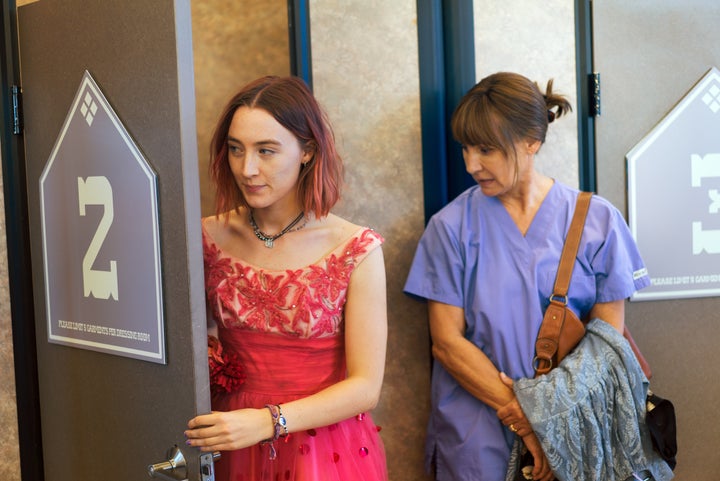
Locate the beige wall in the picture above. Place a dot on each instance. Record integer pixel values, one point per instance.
(365, 70)
(234, 42)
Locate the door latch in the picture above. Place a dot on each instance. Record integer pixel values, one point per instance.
(207, 466)
(174, 469)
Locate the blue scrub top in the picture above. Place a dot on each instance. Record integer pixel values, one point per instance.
(473, 256)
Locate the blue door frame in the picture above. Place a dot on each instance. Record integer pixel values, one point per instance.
(447, 71)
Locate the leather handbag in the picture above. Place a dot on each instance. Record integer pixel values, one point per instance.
(561, 330)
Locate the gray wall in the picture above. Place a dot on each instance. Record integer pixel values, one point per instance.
(371, 93)
(537, 40)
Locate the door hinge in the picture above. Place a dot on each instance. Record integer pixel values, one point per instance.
(594, 93)
(16, 110)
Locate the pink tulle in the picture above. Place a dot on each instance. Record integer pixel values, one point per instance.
(281, 369)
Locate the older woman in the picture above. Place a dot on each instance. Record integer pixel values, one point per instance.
(486, 265)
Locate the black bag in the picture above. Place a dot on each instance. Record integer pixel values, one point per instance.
(526, 465)
(660, 419)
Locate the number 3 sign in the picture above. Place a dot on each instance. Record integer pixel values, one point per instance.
(101, 248)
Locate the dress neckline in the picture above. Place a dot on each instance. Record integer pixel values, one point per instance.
(322, 258)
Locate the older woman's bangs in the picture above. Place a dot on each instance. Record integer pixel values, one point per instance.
(474, 123)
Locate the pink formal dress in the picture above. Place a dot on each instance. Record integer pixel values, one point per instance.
(285, 328)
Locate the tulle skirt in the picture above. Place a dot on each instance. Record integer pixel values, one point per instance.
(281, 369)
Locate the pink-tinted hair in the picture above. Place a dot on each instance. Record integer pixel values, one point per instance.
(292, 104)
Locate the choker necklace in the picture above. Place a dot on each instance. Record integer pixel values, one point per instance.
(270, 239)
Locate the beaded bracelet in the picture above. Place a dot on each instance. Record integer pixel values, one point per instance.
(282, 422)
(279, 427)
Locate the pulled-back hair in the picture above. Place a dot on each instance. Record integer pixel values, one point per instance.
(292, 104)
(504, 109)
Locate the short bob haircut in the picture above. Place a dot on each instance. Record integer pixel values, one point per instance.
(292, 104)
(504, 109)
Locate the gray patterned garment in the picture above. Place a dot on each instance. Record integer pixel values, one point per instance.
(589, 413)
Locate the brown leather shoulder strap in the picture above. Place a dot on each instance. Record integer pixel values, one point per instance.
(548, 343)
(572, 243)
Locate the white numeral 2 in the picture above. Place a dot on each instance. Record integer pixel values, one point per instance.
(100, 284)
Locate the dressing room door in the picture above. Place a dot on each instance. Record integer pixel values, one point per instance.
(109, 411)
(650, 54)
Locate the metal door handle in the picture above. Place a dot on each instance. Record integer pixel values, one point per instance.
(174, 468)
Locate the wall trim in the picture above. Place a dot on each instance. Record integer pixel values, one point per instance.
(586, 122)
(299, 33)
(446, 49)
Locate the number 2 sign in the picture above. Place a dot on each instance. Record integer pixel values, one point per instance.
(101, 247)
(100, 284)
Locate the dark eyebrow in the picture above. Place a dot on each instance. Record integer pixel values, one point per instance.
(260, 143)
(268, 142)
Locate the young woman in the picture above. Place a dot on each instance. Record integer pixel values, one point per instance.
(296, 300)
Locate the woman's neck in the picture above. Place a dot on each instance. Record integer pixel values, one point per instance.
(275, 218)
(528, 194)
(525, 200)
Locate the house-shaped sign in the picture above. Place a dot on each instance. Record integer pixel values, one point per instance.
(101, 248)
(674, 197)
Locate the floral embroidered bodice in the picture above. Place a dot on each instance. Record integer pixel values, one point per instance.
(306, 302)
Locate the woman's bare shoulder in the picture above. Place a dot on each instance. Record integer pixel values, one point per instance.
(338, 228)
(222, 228)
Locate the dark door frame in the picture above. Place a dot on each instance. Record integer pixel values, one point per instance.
(586, 109)
(19, 266)
(17, 225)
(299, 32)
(447, 71)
